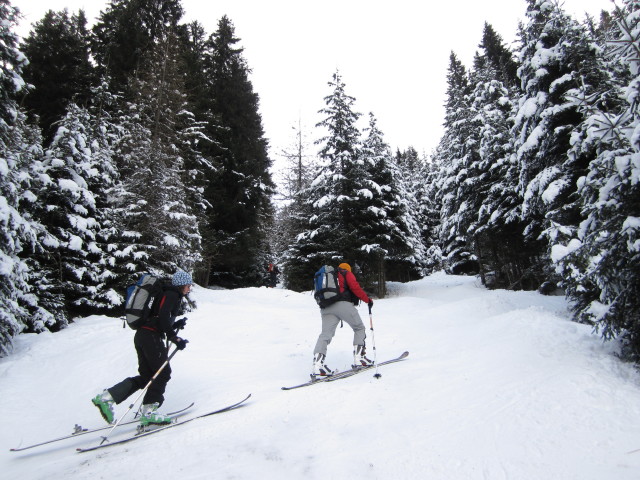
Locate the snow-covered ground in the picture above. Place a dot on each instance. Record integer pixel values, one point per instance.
(498, 385)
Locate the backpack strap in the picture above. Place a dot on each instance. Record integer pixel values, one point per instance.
(347, 294)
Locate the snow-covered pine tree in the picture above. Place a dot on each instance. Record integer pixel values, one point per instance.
(339, 185)
(389, 240)
(337, 195)
(424, 203)
(72, 261)
(297, 258)
(556, 55)
(20, 153)
(455, 152)
(600, 262)
(152, 199)
(496, 232)
(106, 133)
(293, 218)
(402, 181)
(294, 177)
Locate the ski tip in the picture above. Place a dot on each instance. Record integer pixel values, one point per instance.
(404, 355)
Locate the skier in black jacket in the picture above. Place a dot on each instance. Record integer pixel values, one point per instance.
(152, 353)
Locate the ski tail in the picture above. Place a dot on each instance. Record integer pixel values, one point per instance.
(165, 427)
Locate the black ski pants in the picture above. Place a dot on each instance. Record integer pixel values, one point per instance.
(152, 353)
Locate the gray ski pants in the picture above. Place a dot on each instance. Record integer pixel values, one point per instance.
(331, 316)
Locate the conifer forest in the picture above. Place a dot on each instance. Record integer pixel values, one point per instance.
(136, 145)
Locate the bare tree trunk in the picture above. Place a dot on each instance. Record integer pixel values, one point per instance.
(203, 272)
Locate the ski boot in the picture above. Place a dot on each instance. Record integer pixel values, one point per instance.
(359, 359)
(319, 367)
(104, 401)
(149, 416)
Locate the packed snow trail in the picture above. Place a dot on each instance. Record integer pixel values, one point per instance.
(498, 385)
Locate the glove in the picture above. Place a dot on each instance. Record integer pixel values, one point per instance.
(180, 343)
(370, 303)
(179, 324)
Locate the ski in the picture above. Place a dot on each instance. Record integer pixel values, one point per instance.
(347, 373)
(78, 431)
(162, 428)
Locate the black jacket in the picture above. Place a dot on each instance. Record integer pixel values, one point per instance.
(166, 308)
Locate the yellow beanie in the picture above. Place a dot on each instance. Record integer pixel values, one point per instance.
(345, 266)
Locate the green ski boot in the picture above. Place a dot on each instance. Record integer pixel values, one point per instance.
(104, 402)
(150, 416)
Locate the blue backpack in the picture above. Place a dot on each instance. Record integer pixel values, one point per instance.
(140, 297)
(326, 286)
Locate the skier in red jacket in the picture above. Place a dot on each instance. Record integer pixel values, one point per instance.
(342, 310)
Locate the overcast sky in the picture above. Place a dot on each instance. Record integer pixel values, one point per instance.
(392, 54)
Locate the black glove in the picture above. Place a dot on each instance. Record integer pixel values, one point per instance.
(179, 324)
(180, 343)
(370, 303)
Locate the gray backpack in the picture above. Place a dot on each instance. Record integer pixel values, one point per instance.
(140, 297)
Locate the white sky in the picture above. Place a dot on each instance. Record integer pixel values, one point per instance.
(393, 55)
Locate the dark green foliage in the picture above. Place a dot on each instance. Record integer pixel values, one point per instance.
(497, 58)
(127, 31)
(59, 67)
(242, 185)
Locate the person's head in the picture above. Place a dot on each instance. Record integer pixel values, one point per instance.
(183, 281)
(345, 266)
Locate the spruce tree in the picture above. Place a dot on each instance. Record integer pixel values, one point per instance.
(153, 197)
(241, 188)
(20, 152)
(496, 233)
(600, 260)
(335, 197)
(126, 31)
(72, 262)
(556, 56)
(497, 57)
(456, 151)
(59, 67)
(390, 232)
(294, 177)
(415, 183)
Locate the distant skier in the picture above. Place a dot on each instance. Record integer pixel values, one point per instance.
(344, 309)
(152, 354)
(273, 271)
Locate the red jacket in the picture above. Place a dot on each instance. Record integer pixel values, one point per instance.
(352, 284)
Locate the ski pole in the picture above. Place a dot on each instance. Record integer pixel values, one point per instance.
(373, 342)
(144, 390)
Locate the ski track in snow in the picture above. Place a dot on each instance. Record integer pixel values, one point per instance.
(498, 385)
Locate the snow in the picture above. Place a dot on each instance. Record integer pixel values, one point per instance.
(498, 385)
(553, 190)
(558, 252)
